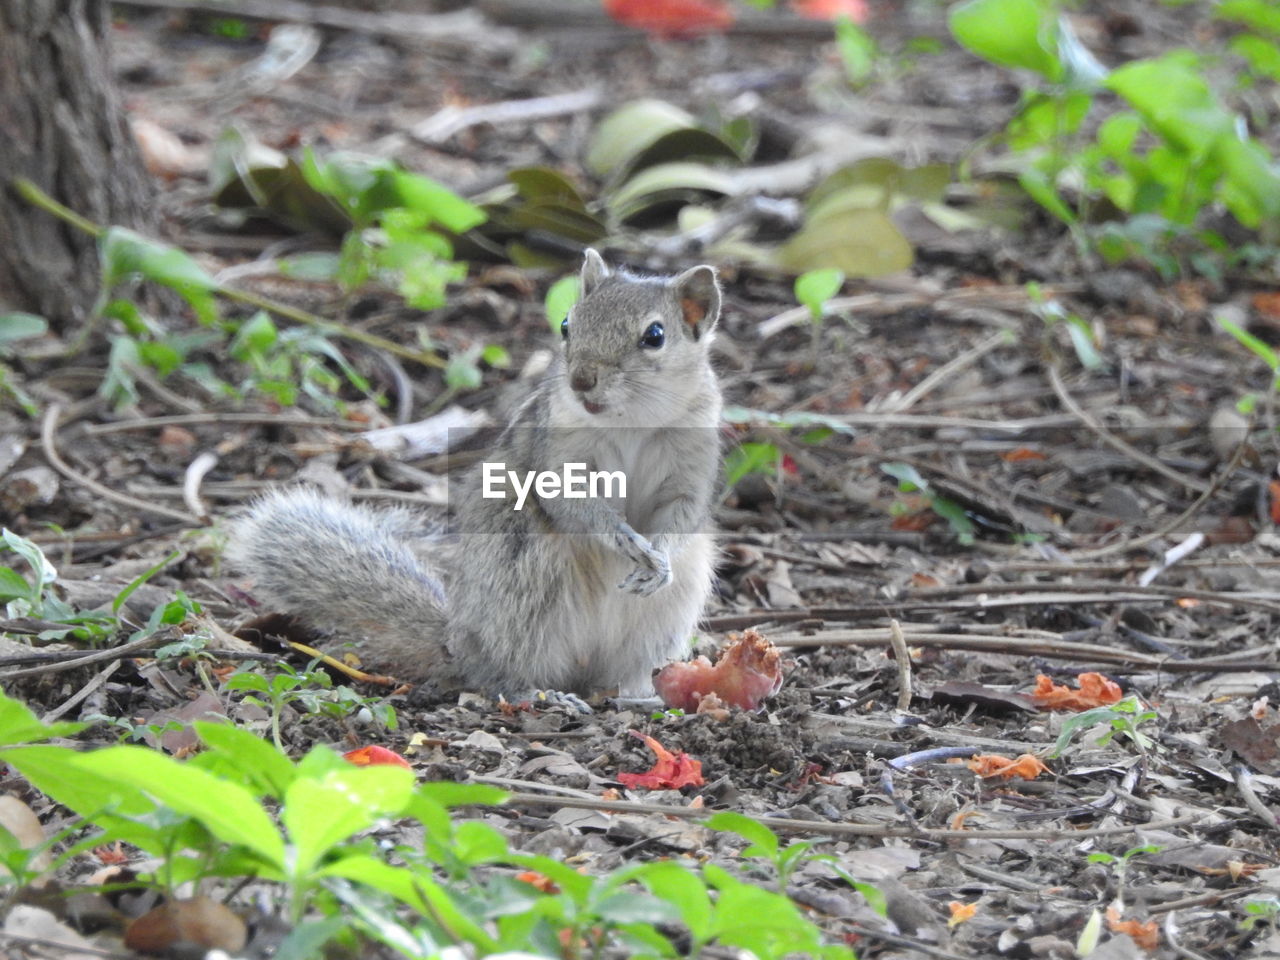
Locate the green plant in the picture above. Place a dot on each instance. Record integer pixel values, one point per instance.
(858, 51)
(1173, 153)
(1054, 314)
(398, 223)
(310, 691)
(397, 211)
(910, 481)
(36, 597)
(242, 809)
(1121, 863)
(1124, 718)
(1259, 349)
(1260, 910)
(749, 458)
(764, 844)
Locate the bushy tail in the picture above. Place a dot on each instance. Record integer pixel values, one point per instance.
(348, 571)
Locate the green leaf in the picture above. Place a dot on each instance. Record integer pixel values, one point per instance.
(750, 458)
(438, 202)
(1260, 15)
(1258, 347)
(258, 759)
(19, 725)
(449, 794)
(630, 907)
(307, 939)
(1173, 98)
(628, 130)
(476, 843)
(1263, 56)
(1047, 120)
(752, 830)
(227, 810)
(667, 185)
(44, 571)
(126, 254)
(859, 242)
(161, 357)
(683, 890)
(908, 477)
(416, 889)
(857, 51)
(956, 517)
(257, 335)
(1011, 33)
(815, 287)
(309, 266)
(21, 326)
(319, 814)
(13, 586)
(142, 578)
(495, 355)
(544, 183)
(462, 372)
(561, 297)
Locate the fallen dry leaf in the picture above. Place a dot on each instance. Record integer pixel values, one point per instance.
(1095, 691)
(960, 912)
(21, 821)
(199, 921)
(748, 671)
(1027, 766)
(1267, 303)
(670, 772)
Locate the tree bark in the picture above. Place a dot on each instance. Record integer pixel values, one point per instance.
(61, 126)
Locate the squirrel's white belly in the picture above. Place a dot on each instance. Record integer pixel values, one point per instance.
(603, 637)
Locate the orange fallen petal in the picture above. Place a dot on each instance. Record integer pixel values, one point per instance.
(1027, 766)
(960, 912)
(371, 756)
(855, 10)
(1095, 691)
(1020, 454)
(539, 881)
(1146, 935)
(671, 18)
(670, 772)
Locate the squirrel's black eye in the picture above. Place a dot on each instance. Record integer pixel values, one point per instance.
(654, 336)
(564, 328)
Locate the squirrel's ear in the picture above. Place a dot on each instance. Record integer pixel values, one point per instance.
(698, 294)
(594, 270)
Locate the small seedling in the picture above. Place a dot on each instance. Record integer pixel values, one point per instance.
(910, 481)
(1124, 718)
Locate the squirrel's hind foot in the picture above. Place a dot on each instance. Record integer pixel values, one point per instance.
(552, 698)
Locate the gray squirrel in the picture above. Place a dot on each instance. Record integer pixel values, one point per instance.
(574, 595)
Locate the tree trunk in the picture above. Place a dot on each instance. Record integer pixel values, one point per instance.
(61, 126)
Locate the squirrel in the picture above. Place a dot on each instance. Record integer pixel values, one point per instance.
(573, 595)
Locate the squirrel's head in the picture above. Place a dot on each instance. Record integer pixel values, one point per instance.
(636, 348)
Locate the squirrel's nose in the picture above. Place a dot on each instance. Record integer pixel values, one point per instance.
(582, 380)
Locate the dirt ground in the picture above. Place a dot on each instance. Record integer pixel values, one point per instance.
(1076, 481)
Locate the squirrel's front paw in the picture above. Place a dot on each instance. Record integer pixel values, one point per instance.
(652, 573)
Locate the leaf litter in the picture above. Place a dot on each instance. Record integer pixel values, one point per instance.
(993, 442)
